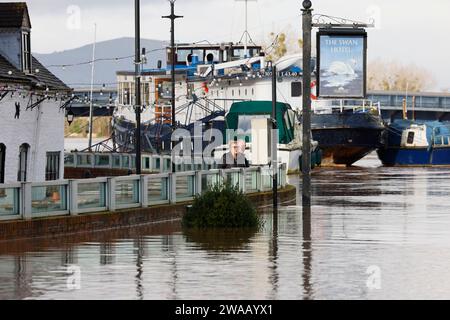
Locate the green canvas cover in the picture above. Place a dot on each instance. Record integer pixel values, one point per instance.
(249, 108)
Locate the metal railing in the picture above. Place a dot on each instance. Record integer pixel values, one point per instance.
(75, 197)
(123, 161)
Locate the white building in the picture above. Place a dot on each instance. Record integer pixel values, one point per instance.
(31, 120)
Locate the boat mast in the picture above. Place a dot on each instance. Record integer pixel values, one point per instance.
(92, 88)
(246, 33)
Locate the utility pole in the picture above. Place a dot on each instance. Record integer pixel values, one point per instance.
(306, 112)
(274, 139)
(172, 18)
(137, 75)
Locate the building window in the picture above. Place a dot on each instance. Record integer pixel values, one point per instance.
(26, 52)
(52, 168)
(296, 89)
(2, 162)
(23, 162)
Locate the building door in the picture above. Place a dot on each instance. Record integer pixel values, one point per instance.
(52, 168)
(23, 162)
(2, 162)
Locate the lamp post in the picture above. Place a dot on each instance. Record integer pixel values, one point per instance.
(306, 112)
(137, 75)
(172, 18)
(274, 139)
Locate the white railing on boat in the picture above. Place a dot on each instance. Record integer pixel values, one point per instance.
(75, 197)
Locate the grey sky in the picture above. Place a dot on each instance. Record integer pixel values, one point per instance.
(407, 30)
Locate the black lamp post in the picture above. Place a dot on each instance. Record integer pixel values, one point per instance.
(172, 18)
(306, 112)
(137, 104)
(274, 139)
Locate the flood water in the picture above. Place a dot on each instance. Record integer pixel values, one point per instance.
(372, 233)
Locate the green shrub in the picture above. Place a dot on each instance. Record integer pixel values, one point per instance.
(222, 206)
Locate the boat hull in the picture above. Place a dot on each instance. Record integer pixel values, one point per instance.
(396, 156)
(345, 138)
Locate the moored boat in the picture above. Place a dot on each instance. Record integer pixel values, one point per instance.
(416, 143)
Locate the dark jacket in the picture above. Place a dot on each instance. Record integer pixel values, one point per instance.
(229, 162)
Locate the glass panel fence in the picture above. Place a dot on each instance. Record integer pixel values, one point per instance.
(69, 160)
(158, 190)
(209, 180)
(116, 161)
(233, 178)
(9, 201)
(102, 160)
(251, 181)
(127, 192)
(48, 199)
(84, 160)
(91, 195)
(185, 187)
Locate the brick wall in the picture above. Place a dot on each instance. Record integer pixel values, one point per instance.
(67, 225)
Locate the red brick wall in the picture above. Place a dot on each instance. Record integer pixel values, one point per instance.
(69, 225)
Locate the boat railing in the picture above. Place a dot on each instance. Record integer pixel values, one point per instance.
(345, 105)
(25, 201)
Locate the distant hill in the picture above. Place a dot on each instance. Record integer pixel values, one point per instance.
(105, 71)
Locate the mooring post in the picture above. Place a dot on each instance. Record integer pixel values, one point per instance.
(306, 111)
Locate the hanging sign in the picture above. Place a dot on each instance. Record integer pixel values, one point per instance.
(341, 63)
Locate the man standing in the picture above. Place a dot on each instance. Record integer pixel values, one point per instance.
(235, 158)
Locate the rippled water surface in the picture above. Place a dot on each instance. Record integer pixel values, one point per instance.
(372, 233)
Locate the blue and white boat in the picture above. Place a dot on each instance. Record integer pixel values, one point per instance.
(416, 143)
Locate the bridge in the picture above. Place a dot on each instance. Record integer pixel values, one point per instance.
(427, 106)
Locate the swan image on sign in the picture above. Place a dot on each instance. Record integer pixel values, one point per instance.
(341, 66)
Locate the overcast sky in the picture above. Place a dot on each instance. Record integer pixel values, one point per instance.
(410, 31)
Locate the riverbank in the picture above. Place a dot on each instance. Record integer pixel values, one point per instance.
(66, 225)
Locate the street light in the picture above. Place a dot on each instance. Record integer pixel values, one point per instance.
(137, 75)
(70, 116)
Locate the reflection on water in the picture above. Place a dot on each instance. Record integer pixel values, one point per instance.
(394, 220)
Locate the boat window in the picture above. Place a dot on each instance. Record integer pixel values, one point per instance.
(215, 54)
(410, 139)
(232, 93)
(253, 91)
(182, 55)
(245, 91)
(296, 89)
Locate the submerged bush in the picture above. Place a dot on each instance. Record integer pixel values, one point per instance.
(222, 206)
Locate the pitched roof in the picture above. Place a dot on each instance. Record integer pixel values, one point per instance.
(44, 78)
(14, 15)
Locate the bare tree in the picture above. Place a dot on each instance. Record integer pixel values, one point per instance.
(394, 76)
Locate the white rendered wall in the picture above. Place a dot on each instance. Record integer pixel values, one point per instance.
(42, 128)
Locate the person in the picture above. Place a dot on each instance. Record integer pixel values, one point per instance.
(235, 158)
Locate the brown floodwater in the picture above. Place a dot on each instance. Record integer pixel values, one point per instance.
(370, 233)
